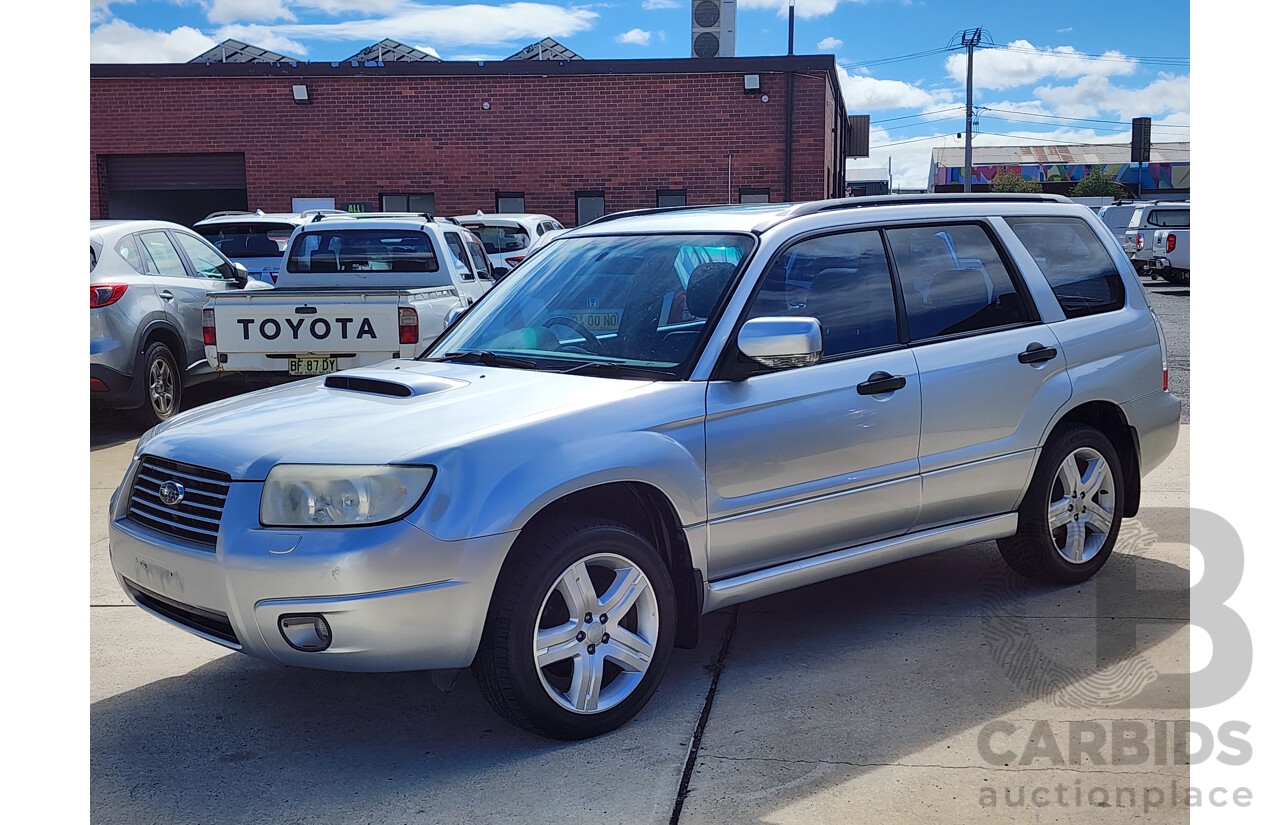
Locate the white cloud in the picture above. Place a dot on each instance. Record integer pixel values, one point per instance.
(1091, 95)
(1064, 31)
(252, 11)
(122, 42)
(805, 9)
(1021, 63)
(467, 25)
(653, 5)
(264, 37)
(429, 51)
(636, 37)
(364, 7)
(830, 44)
(864, 94)
(100, 10)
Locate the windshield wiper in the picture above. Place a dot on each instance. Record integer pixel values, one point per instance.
(490, 359)
(614, 369)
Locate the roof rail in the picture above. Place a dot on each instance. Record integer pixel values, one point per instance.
(631, 213)
(307, 212)
(223, 214)
(836, 204)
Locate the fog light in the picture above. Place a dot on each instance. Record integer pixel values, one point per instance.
(309, 634)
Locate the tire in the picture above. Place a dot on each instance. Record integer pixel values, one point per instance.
(162, 385)
(537, 592)
(1078, 475)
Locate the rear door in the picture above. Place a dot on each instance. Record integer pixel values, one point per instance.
(992, 373)
(182, 295)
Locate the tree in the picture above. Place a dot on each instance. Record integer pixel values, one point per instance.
(1098, 185)
(1009, 181)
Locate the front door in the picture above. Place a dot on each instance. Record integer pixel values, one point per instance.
(805, 460)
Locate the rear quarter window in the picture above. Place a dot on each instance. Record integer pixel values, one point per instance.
(1073, 260)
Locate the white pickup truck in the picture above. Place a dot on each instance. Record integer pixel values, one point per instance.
(352, 292)
(1139, 243)
(1171, 258)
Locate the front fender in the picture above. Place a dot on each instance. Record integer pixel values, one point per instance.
(468, 502)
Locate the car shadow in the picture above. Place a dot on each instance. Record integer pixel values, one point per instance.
(897, 659)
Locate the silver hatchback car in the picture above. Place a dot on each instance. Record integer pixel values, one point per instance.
(661, 414)
(148, 284)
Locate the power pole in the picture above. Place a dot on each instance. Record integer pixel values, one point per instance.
(970, 39)
(791, 29)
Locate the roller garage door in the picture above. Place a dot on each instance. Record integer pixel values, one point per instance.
(174, 187)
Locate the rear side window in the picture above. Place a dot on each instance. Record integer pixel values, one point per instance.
(363, 250)
(954, 281)
(1170, 218)
(1074, 262)
(129, 249)
(163, 256)
(481, 260)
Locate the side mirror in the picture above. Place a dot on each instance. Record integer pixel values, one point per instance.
(239, 273)
(500, 272)
(453, 315)
(780, 343)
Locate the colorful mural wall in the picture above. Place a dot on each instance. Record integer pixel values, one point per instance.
(1154, 175)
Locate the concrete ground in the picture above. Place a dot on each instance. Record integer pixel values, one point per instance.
(862, 699)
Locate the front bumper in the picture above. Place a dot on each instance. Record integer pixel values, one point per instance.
(395, 597)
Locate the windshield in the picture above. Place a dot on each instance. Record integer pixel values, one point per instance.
(248, 240)
(635, 301)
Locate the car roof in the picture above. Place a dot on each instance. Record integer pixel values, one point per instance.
(265, 217)
(116, 227)
(757, 217)
(507, 217)
(344, 221)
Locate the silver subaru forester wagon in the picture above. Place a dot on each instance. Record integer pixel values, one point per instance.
(660, 414)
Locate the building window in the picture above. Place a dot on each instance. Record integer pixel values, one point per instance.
(748, 195)
(590, 206)
(510, 201)
(409, 203)
(671, 197)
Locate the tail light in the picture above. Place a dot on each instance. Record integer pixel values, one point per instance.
(408, 325)
(1170, 241)
(210, 331)
(515, 259)
(103, 295)
(1139, 243)
(1164, 353)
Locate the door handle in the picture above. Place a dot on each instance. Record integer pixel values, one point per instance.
(879, 381)
(1036, 353)
(166, 294)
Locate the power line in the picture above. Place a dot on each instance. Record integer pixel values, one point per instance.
(1064, 117)
(922, 114)
(898, 59)
(1106, 58)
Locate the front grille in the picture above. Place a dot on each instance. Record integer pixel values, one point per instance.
(209, 622)
(195, 518)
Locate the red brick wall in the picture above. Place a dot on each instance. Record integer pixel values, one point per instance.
(548, 137)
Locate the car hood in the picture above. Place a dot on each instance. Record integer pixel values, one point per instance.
(399, 411)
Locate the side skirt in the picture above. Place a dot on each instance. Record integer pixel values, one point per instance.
(853, 559)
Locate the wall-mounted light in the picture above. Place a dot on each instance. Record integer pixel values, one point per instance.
(751, 84)
(485, 105)
(300, 95)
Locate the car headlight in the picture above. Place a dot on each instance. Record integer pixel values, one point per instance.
(315, 495)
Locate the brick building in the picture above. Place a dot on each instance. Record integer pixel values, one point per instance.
(181, 140)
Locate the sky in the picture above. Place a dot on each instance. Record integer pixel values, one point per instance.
(1073, 72)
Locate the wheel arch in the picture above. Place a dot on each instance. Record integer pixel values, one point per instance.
(1108, 418)
(648, 511)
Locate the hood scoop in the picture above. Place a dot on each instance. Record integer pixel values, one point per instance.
(410, 385)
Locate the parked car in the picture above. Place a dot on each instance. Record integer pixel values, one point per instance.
(787, 394)
(255, 239)
(1116, 217)
(507, 237)
(148, 282)
(1139, 240)
(1172, 255)
(353, 291)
